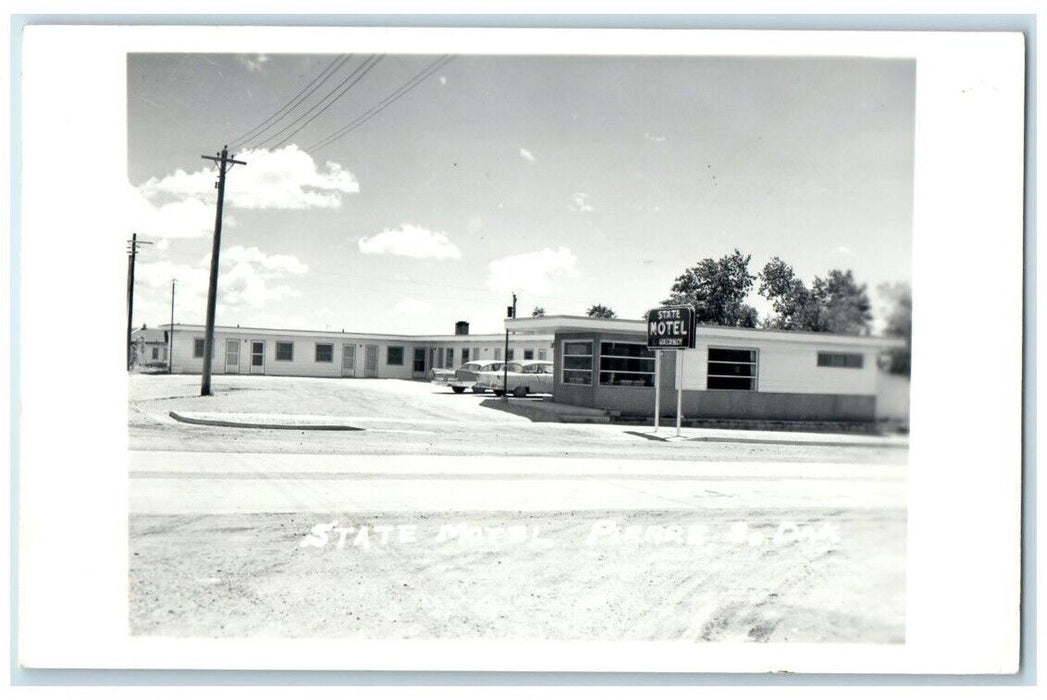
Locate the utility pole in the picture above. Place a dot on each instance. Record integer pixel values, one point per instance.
(511, 312)
(171, 333)
(132, 252)
(225, 163)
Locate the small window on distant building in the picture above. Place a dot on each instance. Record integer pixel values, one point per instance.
(732, 368)
(394, 355)
(465, 355)
(419, 360)
(850, 360)
(509, 355)
(324, 352)
(498, 353)
(198, 347)
(543, 355)
(528, 354)
(285, 352)
(449, 357)
(156, 353)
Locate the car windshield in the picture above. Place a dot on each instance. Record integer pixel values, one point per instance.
(515, 367)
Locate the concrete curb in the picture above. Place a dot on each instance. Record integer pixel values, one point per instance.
(771, 441)
(261, 426)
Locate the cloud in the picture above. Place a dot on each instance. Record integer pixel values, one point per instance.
(443, 80)
(842, 249)
(580, 203)
(247, 278)
(526, 154)
(531, 273)
(190, 217)
(410, 241)
(652, 137)
(287, 178)
(253, 63)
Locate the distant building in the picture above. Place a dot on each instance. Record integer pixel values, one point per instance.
(149, 348)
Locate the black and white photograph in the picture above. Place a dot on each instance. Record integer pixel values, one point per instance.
(428, 410)
(606, 346)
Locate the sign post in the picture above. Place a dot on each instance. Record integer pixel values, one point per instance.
(670, 327)
(679, 389)
(657, 387)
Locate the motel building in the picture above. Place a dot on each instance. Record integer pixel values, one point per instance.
(292, 353)
(732, 373)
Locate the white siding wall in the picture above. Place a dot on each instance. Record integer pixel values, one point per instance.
(304, 363)
(786, 367)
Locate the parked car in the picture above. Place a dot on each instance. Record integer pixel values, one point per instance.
(522, 378)
(465, 376)
(438, 375)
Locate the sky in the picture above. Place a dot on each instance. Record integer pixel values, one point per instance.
(570, 181)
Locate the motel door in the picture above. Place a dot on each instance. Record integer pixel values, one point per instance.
(371, 361)
(348, 360)
(257, 357)
(232, 356)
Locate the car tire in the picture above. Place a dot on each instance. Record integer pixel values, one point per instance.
(479, 390)
(498, 392)
(458, 389)
(520, 392)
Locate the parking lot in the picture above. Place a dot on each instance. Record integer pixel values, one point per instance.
(447, 518)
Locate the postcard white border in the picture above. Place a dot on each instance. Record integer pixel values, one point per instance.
(964, 515)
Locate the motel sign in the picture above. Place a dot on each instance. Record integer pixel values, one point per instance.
(671, 328)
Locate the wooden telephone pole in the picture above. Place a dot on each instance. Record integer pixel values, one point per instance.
(225, 163)
(132, 253)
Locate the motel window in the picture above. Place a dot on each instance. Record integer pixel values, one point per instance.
(498, 353)
(850, 360)
(419, 360)
(509, 355)
(198, 347)
(626, 364)
(324, 352)
(285, 352)
(732, 368)
(528, 354)
(577, 363)
(156, 353)
(450, 359)
(465, 355)
(543, 355)
(394, 355)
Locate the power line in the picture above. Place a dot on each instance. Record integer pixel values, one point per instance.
(353, 78)
(390, 99)
(291, 104)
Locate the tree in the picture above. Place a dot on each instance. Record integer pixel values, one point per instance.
(538, 311)
(717, 289)
(835, 304)
(844, 304)
(899, 325)
(795, 306)
(600, 311)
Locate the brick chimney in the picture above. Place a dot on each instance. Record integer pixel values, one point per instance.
(461, 328)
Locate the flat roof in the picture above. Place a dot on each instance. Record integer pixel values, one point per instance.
(555, 324)
(486, 337)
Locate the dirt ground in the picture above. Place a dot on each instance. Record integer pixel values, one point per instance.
(251, 576)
